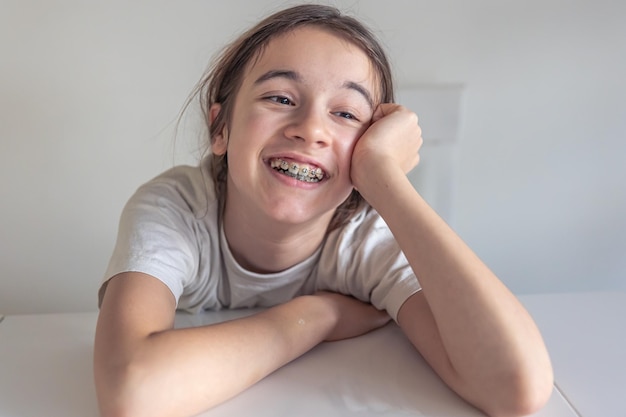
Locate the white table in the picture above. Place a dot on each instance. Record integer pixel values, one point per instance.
(586, 336)
(46, 370)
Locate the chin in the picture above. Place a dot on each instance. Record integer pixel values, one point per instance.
(297, 216)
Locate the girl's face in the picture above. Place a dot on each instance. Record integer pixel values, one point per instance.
(301, 107)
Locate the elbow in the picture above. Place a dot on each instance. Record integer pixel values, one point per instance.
(117, 408)
(115, 412)
(523, 394)
(121, 393)
(520, 405)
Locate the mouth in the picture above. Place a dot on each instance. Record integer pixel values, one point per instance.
(298, 170)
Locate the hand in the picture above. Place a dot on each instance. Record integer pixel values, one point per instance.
(391, 143)
(353, 317)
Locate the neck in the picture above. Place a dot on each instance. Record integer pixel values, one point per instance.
(264, 245)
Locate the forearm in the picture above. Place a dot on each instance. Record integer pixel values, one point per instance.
(492, 345)
(182, 372)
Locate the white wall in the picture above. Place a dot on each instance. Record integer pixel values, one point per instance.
(89, 92)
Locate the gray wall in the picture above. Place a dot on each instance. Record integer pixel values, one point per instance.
(89, 92)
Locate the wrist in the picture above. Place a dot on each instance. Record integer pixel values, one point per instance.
(380, 185)
(319, 310)
(306, 319)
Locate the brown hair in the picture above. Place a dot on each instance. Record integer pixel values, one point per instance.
(223, 79)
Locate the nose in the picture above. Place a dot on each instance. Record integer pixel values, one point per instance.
(309, 124)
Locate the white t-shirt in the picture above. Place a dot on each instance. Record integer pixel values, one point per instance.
(170, 229)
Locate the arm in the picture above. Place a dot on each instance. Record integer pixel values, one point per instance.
(144, 367)
(465, 322)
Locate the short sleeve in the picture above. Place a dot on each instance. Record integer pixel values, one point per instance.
(156, 237)
(364, 260)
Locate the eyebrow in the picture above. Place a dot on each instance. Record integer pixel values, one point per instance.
(290, 75)
(294, 76)
(362, 90)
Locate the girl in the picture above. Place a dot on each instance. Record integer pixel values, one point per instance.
(304, 207)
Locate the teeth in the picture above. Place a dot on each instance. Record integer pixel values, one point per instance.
(301, 172)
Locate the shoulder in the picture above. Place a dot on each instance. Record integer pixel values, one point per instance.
(363, 239)
(182, 189)
(365, 225)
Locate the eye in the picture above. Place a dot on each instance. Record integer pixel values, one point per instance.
(280, 100)
(346, 115)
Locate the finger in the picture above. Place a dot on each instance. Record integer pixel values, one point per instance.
(385, 109)
(379, 113)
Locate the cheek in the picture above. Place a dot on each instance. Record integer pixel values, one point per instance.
(347, 142)
(256, 126)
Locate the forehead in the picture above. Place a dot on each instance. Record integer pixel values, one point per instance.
(318, 53)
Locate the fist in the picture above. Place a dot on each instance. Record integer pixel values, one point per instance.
(390, 145)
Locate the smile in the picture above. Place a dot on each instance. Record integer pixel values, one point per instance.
(299, 171)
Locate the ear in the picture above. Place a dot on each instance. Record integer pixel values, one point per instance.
(219, 141)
